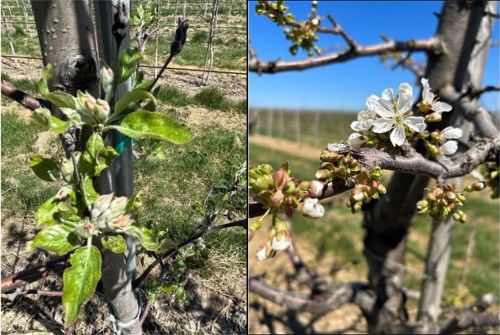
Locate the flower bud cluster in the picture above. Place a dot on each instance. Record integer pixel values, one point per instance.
(491, 175)
(92, 111)
(443, 201)
(368, 186)
(275, 11)
(108, 214)
(337, 165)
(304, 35)
(277, 190)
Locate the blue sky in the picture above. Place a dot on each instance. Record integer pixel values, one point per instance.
(346, 85)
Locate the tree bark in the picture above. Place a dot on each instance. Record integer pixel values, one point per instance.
(66, 37)
(472, 66)
(387, 221)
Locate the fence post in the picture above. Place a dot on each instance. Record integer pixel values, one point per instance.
(209, 57)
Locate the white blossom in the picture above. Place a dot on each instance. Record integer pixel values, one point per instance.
(365, 120)
(356, 140)
(316, 188)
(448, 135)
(429, 99)
(394, 114)
(262, 253)
(281, 241)
(312, 208)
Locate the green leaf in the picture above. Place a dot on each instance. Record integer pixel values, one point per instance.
(134, 96)
(180, 293)
(92, 195)
(94, 145)
(80, 281)
(143, 124)
(74, 118)
(45, 213)
(56, 238)
(57, 125)
(44, 168)
(43, 84)
(97, 156)
(61, 99)
(150, 241)
(115, 243)
(144, 85)
(127, 64)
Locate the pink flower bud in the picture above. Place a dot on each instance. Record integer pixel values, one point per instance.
(276, 198)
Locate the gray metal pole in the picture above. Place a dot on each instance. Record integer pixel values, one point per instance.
(118, 274)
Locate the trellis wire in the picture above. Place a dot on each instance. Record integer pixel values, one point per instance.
(143, 65)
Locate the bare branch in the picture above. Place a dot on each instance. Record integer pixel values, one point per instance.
(349, 40)
(199, 232)
(469, 319)
(479, 116)
(431, 45)
(336, 297)
(408, 63)
(30, 275)
(23, 98)
(480, 91)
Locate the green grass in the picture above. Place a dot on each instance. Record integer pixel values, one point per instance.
(177, 184)
(339, 232)
(27, 85)
(209, 97)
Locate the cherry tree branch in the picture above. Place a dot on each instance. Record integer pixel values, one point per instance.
(336, 297)
(431, 45)
(478, 115)
(470, 319)
(484, 150)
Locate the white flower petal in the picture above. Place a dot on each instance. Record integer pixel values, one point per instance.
(372, 99)
(450, 147)
(355, 140)
(382, 125)
(387, 94)
(261, 253)
(312, 208)
(398, 135)
(449, 133)
(427, 95)
(280, 244)
(405, 97)
(316, 188)
(355, 125)
(384, 108)
(415, 123)
(440, 107)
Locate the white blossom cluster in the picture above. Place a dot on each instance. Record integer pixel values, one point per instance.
(394, 114)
